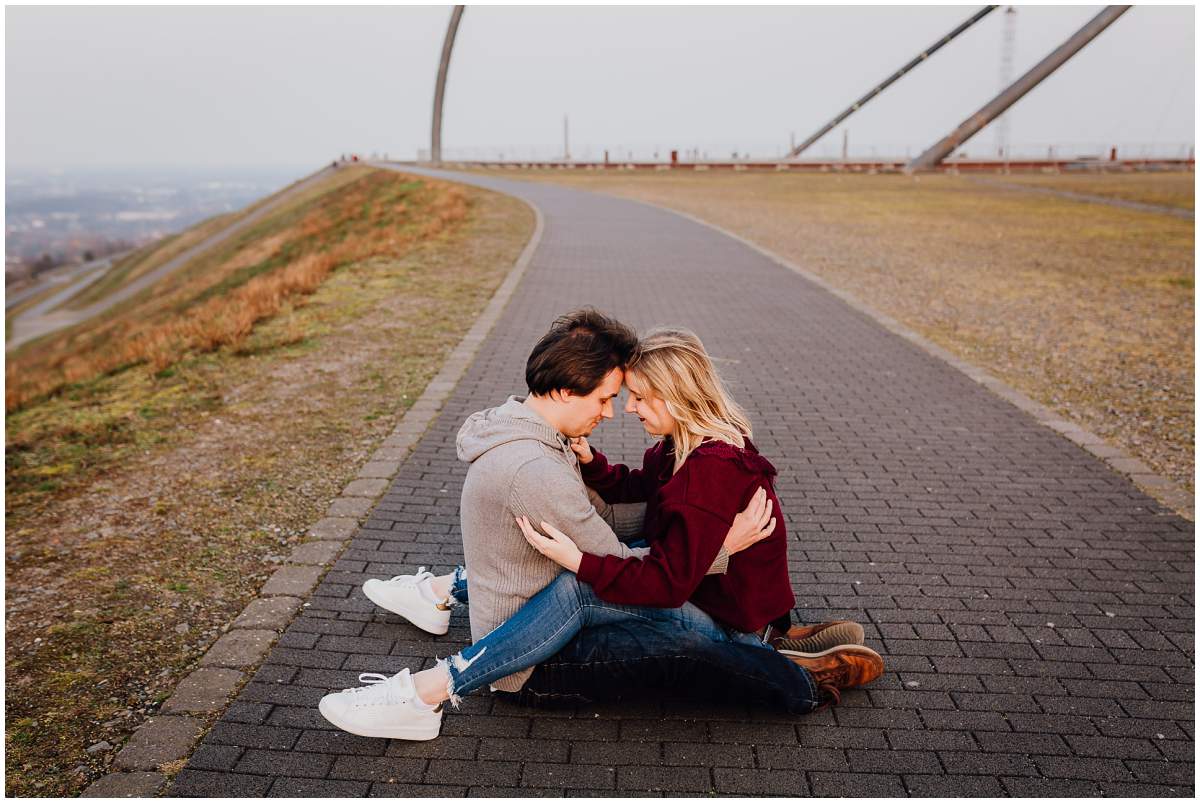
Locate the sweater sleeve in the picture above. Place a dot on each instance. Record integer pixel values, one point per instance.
(670, 574)
(543, 491)
(620, 483)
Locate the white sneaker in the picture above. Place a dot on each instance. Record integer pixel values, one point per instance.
(386, 708)
(411, 596)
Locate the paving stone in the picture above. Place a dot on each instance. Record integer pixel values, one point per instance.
(664, 779)
(239, 648)
(450, 771)
(512, 791)
(561, 776)
(268, 613)
(761, 783)
(352, 507)
(381, 469)
(316, 553)
(313, 787)
(126, 784)
(716, 755)
(260, 736)
(159, 741)
(371, 488)
(203, 691)
(215, 757)
(825, 784)
(338, 529)
(416, 790)
(953, 786)
(377, 768)
(278, 762)
(292, 581)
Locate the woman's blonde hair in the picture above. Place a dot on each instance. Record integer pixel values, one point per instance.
(674, 366)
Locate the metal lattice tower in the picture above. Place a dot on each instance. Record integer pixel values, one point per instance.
(1007, 51)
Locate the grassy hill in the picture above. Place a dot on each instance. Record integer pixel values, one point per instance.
(160, 456)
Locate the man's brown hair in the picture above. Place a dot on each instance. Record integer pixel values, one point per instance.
(578, 352)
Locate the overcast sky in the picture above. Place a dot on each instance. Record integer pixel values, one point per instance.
(223, 86)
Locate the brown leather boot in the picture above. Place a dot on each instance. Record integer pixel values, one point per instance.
(811, 639)
(843, 667)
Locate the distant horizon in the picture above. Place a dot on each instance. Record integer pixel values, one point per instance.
(245, 87)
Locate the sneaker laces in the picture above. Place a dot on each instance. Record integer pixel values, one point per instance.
(829, 682)
(832, 694)
(383, 690)
(411, 579)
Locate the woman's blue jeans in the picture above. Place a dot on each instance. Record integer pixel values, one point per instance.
(551, 619)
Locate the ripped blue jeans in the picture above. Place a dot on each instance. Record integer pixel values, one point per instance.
(553, 617)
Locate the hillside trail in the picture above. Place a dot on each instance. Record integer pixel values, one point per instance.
(1033, 605)
(43, 319)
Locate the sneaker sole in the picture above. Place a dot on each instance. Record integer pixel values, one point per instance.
(436, 628)
(848, 633)
(858, 648)
(417, 732)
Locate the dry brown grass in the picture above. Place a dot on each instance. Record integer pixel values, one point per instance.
(1176, 190)
(1087, 308)
(145, 509)
(298, 260)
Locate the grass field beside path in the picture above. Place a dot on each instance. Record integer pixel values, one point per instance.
(146, 508)
(1087, 308)
(1174, 190)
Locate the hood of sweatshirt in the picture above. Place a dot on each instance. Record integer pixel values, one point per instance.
(511, 421)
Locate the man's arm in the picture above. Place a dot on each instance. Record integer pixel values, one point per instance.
(545, 490)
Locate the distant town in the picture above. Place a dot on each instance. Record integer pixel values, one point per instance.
(56, 218)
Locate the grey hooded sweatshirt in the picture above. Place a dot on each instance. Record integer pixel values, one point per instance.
(522, 466)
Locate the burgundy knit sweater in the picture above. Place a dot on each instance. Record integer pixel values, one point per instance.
(688, 515)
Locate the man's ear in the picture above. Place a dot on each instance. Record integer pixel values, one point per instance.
(560, 394)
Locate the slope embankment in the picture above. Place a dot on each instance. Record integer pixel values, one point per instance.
(144, 268)
(163, 454)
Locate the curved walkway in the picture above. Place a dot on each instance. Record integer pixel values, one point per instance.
(1035, 608)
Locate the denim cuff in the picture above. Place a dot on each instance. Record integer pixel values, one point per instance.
(458, 587)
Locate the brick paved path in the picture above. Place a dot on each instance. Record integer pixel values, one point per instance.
(1035, 609)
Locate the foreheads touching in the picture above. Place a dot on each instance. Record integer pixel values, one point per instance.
(577, 368)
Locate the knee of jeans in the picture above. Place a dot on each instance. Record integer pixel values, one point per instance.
(566, 583)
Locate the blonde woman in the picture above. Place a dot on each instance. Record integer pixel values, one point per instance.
(695, 482)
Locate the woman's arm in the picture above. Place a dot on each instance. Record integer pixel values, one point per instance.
(670, 573)
(675, 565)
(618, 483)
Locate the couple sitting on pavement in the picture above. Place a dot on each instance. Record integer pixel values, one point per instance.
(676, 574)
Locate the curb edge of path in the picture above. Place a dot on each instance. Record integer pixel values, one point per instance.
(1153, 485)
(172, 735)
